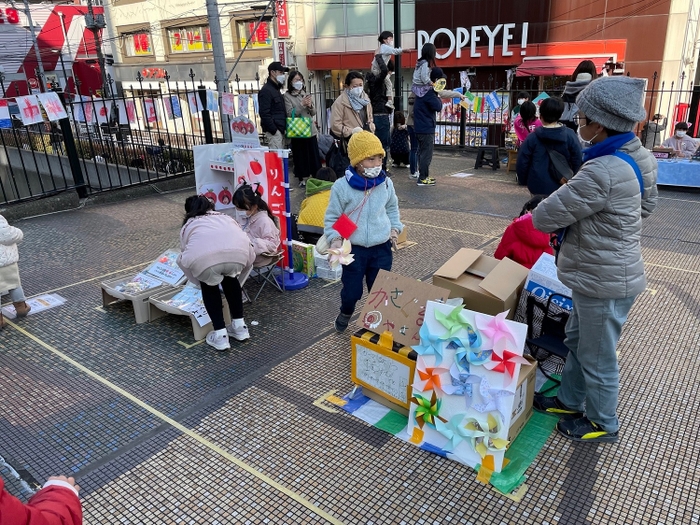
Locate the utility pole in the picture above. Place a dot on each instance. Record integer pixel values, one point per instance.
(217, 45)
(40, 63)
(398, 98)
(94, 24)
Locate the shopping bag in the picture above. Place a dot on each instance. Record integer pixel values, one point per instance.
(298, 127)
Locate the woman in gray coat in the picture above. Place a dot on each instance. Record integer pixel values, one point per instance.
(598, 215)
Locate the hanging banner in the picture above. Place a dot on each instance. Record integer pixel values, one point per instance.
(243, 105)
(52, 105)
(244, 134)
(195, 102)
(282, 19)
(103, 109)
(256, 109)
(276, 197)
(29, 110)
(149, 110)
(5, 120)
(212, 100)
(227, 104)
(172, 106)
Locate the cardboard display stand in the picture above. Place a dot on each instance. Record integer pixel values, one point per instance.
(158, 307)
(162, 274)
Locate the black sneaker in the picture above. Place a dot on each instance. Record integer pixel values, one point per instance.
(341, 322)
(585, 430)
(552, 405)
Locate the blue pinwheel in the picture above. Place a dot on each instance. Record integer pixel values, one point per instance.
(429, 344)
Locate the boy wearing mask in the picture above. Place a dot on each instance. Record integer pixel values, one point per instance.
(683, 146)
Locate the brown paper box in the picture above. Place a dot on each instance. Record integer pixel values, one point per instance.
(487, 285)
(524, 396)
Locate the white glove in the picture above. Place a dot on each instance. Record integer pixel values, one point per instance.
(356, 130)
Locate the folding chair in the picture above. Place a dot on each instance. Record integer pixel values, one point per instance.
(548, 347)
(266, 274)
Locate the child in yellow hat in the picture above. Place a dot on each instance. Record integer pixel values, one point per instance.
(364, 209)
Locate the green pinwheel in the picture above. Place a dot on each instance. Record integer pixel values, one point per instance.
(427, 410)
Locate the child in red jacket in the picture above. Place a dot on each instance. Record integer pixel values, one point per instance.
(56, 503)
(521, 242)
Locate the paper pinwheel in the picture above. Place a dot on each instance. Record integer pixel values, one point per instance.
(484, 437)
(494, 328)
(462, 384)
(465, 357)
(428, 377)
(340, 255)
(504, 361)
(429, 344)
(453, 430)
(427, 410)
(456, 321)
(493, 399)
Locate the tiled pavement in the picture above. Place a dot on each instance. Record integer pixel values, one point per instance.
(160, 431)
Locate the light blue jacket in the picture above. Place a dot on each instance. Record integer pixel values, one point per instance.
(375, 220)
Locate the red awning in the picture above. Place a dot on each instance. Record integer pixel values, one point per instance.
(558, 65)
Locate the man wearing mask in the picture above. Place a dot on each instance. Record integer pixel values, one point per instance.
(522, 98)
(682, 144)
(273, 113)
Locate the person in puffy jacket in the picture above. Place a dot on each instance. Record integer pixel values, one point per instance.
(598, 215)
(534, 167)
(522, 242)
(57, 503)
(215, 251)
(9, 270)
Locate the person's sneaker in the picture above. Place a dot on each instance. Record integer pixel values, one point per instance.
(552, 405)
(341, 322)
(427, 182)
(218, 339)
(585, 430)
(414, 176)
(238, 330)
(302, 183)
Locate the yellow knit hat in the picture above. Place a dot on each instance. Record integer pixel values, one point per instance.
(364, 145)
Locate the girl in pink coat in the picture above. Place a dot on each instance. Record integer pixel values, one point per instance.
(257, 221)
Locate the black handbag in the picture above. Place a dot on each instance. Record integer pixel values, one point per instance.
(337, 157)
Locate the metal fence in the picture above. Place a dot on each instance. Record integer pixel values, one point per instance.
(101, 146)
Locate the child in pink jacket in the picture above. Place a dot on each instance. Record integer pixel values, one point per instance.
(257, 221)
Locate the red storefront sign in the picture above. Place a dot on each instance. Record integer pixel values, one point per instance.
(282, 19)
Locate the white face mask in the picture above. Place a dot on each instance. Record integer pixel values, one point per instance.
(241, 215)
(585, 143)
(390, 42)
(357, 91)
(520, 101)
(298, 85)
(372, 173)
(680, 134)
(280, 79)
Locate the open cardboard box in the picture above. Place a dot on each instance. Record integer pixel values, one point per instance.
(524, 396)
(486, 285)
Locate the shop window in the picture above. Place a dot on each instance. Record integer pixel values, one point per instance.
(193, 39)
(261, 37)
(138, 44)
(359, 17)
(408, 16)
(362, 18)
(330, 18)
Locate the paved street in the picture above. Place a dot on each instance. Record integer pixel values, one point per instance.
(159, 429)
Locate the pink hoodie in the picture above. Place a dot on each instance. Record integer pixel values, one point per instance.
(212, 239)
(264, 235)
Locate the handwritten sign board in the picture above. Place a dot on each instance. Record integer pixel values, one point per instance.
(166, 269)
(382, 367)
(397, 304)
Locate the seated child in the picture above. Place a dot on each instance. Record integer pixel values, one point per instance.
(318, 193)
(421, 75)
(386, 49)
(400, 146)
(522, 242)
(257, 221)
(366, 197)
(526, 122)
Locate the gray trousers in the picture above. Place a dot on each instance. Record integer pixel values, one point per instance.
(591, 373)
(426, 145)
(275, 141)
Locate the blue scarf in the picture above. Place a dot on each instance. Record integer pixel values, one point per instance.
(356, 102)
(607, 147)
(361, 183)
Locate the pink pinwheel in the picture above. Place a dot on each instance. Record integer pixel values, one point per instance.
(494, 328)
(340, 255)
(428, 377)
(504, 361)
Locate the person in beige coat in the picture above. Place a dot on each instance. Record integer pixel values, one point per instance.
(9, 270)
(351, 111)
(299, 104)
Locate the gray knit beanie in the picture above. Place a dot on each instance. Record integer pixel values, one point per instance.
(614, 102)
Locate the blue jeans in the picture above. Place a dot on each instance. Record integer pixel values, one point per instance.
(413, 156)
(382, 129)
(591, 373)
(17, 295)
(367, 263)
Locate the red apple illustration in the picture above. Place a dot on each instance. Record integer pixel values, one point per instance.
(251, 127)
(236, 128)
(241, 180)
(225, 196)
(211, 196)
(256, 167)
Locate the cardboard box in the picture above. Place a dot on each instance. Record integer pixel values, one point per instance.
(486, 285)
(303, 256)
(330, 275)
(542, 281)
(524, 396)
